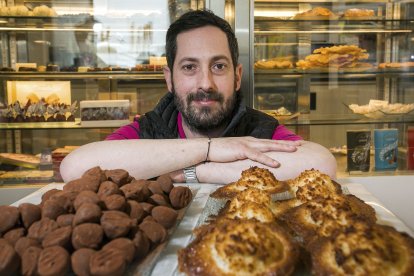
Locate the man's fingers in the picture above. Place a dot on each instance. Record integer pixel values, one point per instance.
(262, 158)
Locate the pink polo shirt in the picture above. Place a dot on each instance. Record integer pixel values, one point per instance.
(131, 131)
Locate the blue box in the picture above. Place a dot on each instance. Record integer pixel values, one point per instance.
(386, 149)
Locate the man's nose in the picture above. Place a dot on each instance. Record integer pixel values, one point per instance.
(206, 81)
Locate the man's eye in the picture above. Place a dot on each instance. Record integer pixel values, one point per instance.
(188, 67)
(219, 66)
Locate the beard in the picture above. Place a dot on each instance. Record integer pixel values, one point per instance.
(204, 119)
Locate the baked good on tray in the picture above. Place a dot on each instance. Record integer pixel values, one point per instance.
(362, 249)
(255, 177)
(340, 56)
(239, 247)
(322, 217)
(317, 13)
(358, 13)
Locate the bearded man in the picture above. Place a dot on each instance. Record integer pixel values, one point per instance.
(201, 131)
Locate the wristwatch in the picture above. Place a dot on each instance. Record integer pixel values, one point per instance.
(190, 175)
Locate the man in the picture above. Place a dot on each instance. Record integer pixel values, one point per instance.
(220, 137)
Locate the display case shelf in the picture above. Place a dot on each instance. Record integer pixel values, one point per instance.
(57, 125)
(139, 75)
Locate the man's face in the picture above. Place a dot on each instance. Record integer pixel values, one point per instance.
(204, 81)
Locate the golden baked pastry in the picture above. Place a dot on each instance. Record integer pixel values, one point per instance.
(309, 185)
(273, 64)
(311, 179)
(361, 249)
(255, 177)
(395, 64)
(239, 247)
(251, 203)
(316, 13)
(322, 217)
(359, 13)
(343, 56)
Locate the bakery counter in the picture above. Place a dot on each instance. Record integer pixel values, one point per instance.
(389, 196)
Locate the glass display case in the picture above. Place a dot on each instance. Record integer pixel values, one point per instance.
(57, 54)
(325, 68)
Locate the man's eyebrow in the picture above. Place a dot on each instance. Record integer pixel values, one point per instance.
(214, 58)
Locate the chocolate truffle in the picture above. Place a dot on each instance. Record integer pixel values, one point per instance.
(9, 218)
(165, 216)
(87, 212)
(39, 229)
(86, 196)
(29, 213)
(155, 188)
(60, 237)
(95, 173)
(118, 176)
(135, 210)
(89, 235)
(49, 193)
(82, 184)
(65, 220)
(30, 259)
(24, 243)
(13, 235)
(158, 199)
(80, 261)
(9, 259)
(142, 244)
(109, 261)
(108, 188)
(147, 207)
(154, 231)
(115, 202)
(52, 209)
(116, 224)
(136, 190)
(166, 183)
(66, 198)
(125, 245)
(54, 260)
(180, 197)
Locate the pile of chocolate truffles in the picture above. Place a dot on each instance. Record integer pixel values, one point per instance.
(97, 225)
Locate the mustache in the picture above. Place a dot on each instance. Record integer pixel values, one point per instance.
(205, 96)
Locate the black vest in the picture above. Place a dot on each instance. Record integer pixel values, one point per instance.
(161, 123)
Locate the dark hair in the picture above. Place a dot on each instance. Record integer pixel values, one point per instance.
(197, 19)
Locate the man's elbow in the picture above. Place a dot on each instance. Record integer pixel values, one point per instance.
(323, 160)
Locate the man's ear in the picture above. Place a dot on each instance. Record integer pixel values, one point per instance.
(168, 78)
(238, 75)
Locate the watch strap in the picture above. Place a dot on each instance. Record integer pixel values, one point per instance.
(190, 175)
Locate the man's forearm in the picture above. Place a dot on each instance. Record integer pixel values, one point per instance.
(141, 158)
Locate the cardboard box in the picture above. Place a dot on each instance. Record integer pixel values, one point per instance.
(386, 149)
(109, 113)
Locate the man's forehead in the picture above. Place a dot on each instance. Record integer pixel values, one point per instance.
(194, 43)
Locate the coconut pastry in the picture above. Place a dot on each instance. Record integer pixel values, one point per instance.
(239, 247)
(255, 177)
(251, 203)
(321, 218)
(362, 249)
